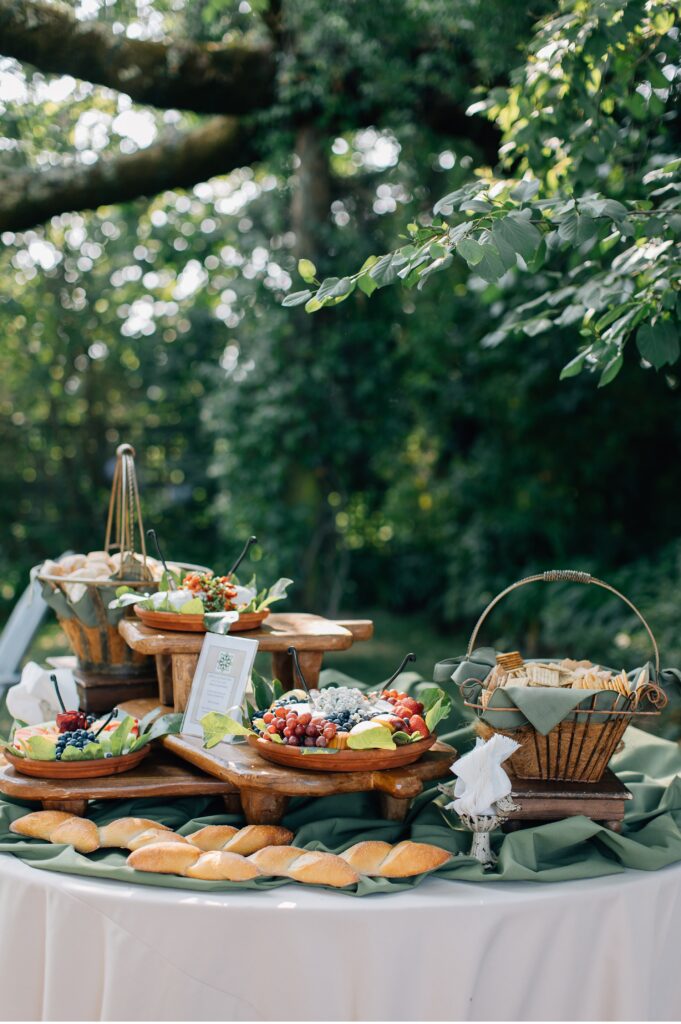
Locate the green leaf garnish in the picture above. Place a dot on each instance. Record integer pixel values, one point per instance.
(437, 705)
(118, 737)
(216, 726)
(262, 691)
(42, 748)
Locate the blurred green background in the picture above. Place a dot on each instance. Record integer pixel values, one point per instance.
(386, 460)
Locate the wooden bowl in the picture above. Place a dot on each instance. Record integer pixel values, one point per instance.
(77, 769)
(194, 623)
(344, 760)
(171, 620)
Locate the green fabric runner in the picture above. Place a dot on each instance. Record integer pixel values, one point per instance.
(559, 851)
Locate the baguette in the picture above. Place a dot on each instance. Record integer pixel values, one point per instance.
(310, 866)
(307, 866)
(85, 837)
(400, 861)
(164, 858)
(188, 860)
(240, 840)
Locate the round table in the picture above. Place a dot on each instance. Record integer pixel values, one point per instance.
(76, 949)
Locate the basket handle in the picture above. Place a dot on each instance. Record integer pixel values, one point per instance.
(571, 576)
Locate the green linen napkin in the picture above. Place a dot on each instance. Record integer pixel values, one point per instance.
(511, 707)
(559, 851)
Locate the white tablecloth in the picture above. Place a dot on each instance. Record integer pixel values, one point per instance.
(76, 949)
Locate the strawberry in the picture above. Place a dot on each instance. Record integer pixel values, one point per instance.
(417, 724)
(68, 721)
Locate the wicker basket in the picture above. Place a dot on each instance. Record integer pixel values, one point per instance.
(579, 748)
(108, 670)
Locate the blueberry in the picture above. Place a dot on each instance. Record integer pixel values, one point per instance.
(58, 755)
(108, 754)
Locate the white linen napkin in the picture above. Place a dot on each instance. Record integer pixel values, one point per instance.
(33, 699)
(481, 781)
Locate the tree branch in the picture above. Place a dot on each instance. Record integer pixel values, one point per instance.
(178, 160)
(208, 78)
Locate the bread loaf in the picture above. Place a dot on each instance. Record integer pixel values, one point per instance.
(311, 866)
(83, 835)
(240, 840)
(185, 859)
(400, 861)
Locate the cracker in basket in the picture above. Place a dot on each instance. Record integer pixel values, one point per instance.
(587, 681)
(570, 664)
(497, 677)
(510, 660)
(620, 683)
(544, 675)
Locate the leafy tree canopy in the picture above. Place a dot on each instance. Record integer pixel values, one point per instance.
(587, 201)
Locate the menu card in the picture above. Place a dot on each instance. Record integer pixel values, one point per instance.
(220, 680)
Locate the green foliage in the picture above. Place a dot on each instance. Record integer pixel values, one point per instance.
(581, 125)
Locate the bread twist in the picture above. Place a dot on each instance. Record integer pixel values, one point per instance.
(86, 837)
(188, 860)
(309, 866)
(245, 841)
(400, 861)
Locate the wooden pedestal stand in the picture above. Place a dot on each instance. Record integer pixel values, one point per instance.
(177, 654)
(263, 789)
(160, 775)
(541, 801)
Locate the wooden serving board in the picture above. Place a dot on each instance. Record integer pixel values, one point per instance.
(160, 775)
(265, 788)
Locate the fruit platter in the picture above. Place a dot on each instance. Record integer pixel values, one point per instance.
(337, 728)
(197, 601)
(77, 745)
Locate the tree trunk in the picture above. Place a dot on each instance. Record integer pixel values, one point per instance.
(310, 203)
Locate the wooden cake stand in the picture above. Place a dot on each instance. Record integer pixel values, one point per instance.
(264, 789)
(177, 654)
